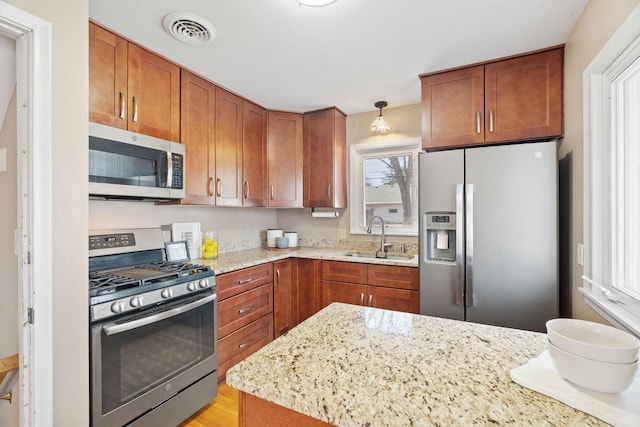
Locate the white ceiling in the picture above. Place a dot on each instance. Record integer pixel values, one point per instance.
(351, 53)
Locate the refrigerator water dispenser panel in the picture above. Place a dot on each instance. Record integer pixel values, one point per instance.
(440, 237)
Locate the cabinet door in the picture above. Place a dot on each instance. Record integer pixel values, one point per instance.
(453, 108)
(282, 297)
(324, 138)
(154, 95)
(307, 292)
(107, 78)
(228, 185)
(197, 134)
(285, 159)
(524, 97)
(349, 293)
(393, 299)
(242, 309)
(254, 155)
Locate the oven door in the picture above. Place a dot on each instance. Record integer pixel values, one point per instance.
(144, 359)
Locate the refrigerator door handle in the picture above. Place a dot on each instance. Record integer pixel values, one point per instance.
(469, 297)
(459, 291)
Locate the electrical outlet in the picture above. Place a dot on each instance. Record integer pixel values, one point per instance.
(342, 233)
(580, 254)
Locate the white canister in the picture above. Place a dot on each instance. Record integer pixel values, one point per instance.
(293, 238)
(272, 233)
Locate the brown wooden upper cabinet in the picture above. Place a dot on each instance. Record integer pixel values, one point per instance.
(198, 107)
(285, 159)
(508, 100)
(254, 155)
(132, 88)
(325, 159)
(228, 136)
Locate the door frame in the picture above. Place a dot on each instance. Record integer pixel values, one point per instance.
(33, 245)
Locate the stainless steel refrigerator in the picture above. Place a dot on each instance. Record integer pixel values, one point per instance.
(489, 234)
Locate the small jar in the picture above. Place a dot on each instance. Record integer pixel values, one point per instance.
(210, 245)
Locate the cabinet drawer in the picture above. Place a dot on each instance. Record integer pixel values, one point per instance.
(240, 310)
(393, 277)
(349, 272)
(236, 282)
(237, 346)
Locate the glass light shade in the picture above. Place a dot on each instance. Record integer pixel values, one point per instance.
(380, 125)
(315, 3)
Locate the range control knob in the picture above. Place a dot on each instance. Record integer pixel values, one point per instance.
(166, 293)
(117, 307)
(192, 286)
(136, 301)
(204, 283)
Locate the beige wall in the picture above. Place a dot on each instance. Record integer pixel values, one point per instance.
(405, 122)
(70, 392)
(598, 22)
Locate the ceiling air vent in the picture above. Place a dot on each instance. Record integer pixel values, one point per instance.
(189, 28)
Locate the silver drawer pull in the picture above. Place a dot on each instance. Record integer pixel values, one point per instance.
(245, 344)
(370, 300)
(244, 310)
(247, 280)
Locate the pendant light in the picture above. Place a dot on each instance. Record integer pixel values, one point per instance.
(380, 125)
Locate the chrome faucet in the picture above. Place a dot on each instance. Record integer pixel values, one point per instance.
(382, 252)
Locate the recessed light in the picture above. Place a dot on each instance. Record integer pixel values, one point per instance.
(315, 3)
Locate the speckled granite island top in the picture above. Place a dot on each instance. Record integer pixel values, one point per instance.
(356, 366)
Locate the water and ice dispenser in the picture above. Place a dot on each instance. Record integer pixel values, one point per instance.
(440, 237)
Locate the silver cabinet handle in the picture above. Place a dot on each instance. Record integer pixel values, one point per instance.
(210, 187)
(135, 109)
(169, 170)
(244, 281)
(278, 275)
(245, 344)
(361, 299)
(244, 310)
(478, 122)
(469, 299)
(370, 300)
(218, 187)
(115, 328)
(491, 121)
(272, 192)
(121, 105)
(459, 291)
(246, 189)
(329, 191)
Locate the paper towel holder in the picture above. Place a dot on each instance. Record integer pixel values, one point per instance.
(324, 214)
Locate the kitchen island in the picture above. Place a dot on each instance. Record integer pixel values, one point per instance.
(356, 366)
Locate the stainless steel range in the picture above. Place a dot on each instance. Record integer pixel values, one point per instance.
(153, 331)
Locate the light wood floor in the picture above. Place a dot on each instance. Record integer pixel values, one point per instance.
(221, 412)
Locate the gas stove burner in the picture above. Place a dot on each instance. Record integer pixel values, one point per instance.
(106, 283)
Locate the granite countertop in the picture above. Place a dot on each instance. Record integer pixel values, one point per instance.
(237, 260)
(357, 366)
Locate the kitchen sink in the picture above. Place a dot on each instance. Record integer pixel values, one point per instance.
(373, 255)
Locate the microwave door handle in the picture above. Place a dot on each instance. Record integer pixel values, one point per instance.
(114, 328)
(169, 170)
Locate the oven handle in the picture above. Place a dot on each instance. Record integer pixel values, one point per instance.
(113, 328)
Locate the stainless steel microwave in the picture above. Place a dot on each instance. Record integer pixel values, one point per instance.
(128, 165)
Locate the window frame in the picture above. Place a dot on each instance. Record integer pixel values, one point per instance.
(357, 155)
(602, 204)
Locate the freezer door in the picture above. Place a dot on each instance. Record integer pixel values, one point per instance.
(441, 186)
(512, 235)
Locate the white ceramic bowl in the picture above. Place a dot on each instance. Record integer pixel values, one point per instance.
(593, 340)
(592, 374)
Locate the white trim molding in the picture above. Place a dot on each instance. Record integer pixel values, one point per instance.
(33, 237)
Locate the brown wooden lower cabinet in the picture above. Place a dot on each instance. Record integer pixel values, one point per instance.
(372, 285)
(306, 292)
(240, 344)
(256, 412)
(242, 309)
(283, 297)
